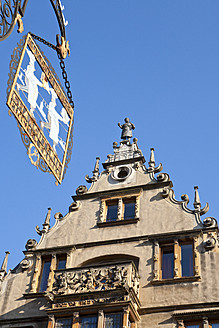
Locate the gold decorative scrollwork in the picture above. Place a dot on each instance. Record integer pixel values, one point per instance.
(8, 14)
(14, 63)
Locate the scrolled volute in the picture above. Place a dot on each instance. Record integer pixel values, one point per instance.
(74, 206)
(25, 263)
(210, 222)
(81, 190)
(58, 216)
(162, 177)
(31, 244)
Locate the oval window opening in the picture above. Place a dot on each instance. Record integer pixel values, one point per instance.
(122, 174)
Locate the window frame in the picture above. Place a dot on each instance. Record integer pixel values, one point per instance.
(39, 266)
(121, 200)
(176, 244)
(126, 316)
(43, 261)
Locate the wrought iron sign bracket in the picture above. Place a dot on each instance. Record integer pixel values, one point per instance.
(12, 11)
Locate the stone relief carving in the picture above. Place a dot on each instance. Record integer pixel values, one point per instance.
(95, 279)
(96, 300)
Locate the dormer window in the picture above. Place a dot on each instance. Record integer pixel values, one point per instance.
(119, 210)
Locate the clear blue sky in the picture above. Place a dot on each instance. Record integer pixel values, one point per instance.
(154, 61)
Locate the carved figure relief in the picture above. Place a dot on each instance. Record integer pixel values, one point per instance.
(98, 279)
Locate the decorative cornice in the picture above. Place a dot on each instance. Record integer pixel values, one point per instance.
(103, 193)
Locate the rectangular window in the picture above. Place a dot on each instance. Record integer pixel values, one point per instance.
(88, 322)
(176, 259)
(61, 262)
(167, 264)
(112, 211)
(129, 208)
(113, 320)
(187, 261)
(44, 275)
(64, 323)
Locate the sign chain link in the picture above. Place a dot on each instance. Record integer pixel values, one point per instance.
(62, 66)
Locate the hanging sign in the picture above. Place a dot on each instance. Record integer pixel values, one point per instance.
(43, 113)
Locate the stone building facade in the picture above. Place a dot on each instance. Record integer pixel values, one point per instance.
(127, 254)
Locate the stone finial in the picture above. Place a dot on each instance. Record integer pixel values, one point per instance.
(96, 172)
(152, 159)
(5, 262)
(152, 168)
(46, 224)
(47, 219)
(197, 203)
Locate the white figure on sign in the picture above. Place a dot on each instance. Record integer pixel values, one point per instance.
(31, 83)
(53, 119)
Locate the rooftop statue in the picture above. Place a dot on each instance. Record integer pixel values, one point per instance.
(127, 128)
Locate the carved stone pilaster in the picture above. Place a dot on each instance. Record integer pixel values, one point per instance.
(100, 323)
(196, 258)
(51, 273)
(51, 321)
(156, 260)
(36, 274)
(75, 320)
(120, 209)
(176, 259)
(137, 203)
(102, 211)
(68, 258)
(125, 317)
